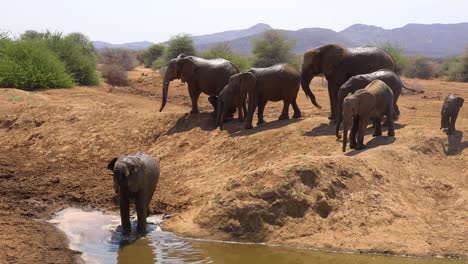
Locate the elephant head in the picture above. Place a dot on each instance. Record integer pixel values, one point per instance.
(125, 171)
(183, 68)
(350, 110)
(322, 60)
(353, 84)
(223, 105)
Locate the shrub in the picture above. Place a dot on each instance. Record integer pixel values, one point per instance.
(122, 57)
(115, 74)
(396, 52)
(420, 67)
(179, 44)
(458, 68)
(158, 64)
(151, 54)
(272, 49)
(224, 51)
(31, 65)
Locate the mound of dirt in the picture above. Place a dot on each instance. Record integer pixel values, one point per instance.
(285, 182)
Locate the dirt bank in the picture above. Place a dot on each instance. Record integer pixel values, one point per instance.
(284, 182)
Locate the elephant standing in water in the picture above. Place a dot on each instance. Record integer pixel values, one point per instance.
(201, 75)
(449, 113)
(135, 178)
(338, 64)
(373, 102)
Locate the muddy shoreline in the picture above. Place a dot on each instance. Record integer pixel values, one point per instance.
(408, 196)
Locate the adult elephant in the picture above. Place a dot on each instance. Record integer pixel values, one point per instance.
(338, 64)
(201, 76)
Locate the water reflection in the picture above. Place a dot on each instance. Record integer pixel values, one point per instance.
(99, 237)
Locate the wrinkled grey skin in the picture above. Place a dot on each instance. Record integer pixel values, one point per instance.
(338, 64)
(358, 82)
(201, 76)
(373, 102)
(276, 83)
(229, 98)
(135, 178)
(449, 113)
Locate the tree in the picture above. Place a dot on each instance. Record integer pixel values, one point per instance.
(151, 54)
(180, 44)
(272, 49)
(458, 70)
(396, 52)
(223, 50)
(121, 57)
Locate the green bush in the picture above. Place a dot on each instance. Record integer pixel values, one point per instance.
(122, 57)
(31, 65)
(151, 54)
(224, 51)
(158, 64)
(78, 54)
(179, 44)
(272, 49)
(420, 67)
(396, 52)
(458, 68)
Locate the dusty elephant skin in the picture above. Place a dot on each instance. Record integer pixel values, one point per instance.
(136, 178)
(293, 182)
(391, 79)
(230, 97)
(449, 113)
(201, 76)
(338, 64)
(373, 102)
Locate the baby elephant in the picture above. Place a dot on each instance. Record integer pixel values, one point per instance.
(450, 109)
(230, 98)
(373, 102)
(358, 82)
(276, 83)
(135, 178)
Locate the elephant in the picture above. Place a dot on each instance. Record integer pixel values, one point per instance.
(135, 178)
(357, 82)
(372, 102)
(228, 98)
(338, 64)
(201, 75)
(449, 113)
(275, 83)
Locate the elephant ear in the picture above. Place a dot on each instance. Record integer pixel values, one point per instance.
(247, 83)
(111, 164)
(331, 57)
(188, 69)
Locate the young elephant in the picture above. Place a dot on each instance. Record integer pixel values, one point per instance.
(275, 83)
(230, 98)
(135, 178)
(358, 82)
(373, 102)
(450, 109)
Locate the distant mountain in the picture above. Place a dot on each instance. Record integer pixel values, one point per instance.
(433, 40)
(132, 45)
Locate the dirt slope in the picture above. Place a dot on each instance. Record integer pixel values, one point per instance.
(284, 182)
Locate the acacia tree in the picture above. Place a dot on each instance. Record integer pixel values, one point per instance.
(151, 54)
(180, 44)
(271, 49)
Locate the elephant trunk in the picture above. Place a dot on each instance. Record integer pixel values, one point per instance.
(345, 138)
(165, 90)
(305, 82)
(444, 120)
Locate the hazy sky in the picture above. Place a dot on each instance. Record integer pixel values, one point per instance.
(119, 21)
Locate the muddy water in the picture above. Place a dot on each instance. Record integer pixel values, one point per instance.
(98, 236)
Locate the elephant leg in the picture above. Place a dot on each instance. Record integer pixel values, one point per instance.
(391, 129)
(352, 134)
(378, 128)
(261, 107)
(194, 95)
(332, 106)
(396, 112)
(240, 115)
(297, 111)
(361, 131)
(284, 113)
(125, 214)
(252, 106)
(213, 101)
(453, 119)
(141, 208)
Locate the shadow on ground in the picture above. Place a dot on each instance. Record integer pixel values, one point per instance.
(187, 122)
(373, 143)
(456, 145)
(264, 127)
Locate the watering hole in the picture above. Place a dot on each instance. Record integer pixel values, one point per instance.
(97, 235)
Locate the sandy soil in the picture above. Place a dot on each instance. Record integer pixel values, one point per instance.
(286, 182)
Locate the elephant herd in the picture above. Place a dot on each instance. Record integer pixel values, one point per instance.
(362, 87)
